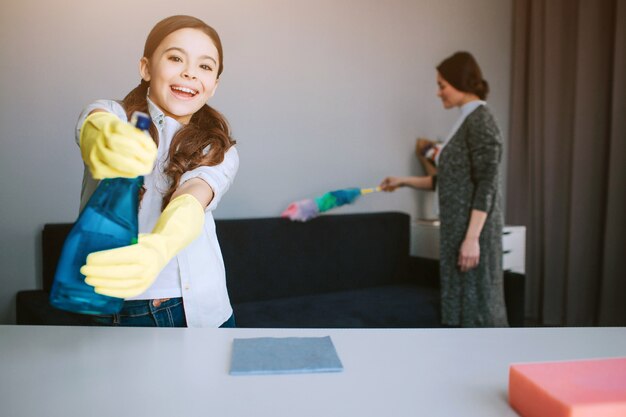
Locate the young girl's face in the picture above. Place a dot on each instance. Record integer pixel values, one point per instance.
(182, 73)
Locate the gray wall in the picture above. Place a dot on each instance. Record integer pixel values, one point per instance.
(321, 95)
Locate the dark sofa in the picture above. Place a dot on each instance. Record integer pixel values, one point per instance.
(342, 271)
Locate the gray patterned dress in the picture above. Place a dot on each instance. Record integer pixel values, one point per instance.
(468, 179)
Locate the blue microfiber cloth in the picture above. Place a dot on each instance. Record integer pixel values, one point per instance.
(289, 355)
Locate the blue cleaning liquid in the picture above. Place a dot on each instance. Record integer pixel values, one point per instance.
(108, 221)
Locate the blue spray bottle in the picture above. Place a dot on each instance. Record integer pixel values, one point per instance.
(109, 220)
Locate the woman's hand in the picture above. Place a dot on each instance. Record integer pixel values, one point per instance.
(469, 254)
(391, 183)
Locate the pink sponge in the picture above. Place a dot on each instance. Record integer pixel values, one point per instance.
(584, 388)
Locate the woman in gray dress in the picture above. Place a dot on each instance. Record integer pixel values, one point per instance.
(470, 210)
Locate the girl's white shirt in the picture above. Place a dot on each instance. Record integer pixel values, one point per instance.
(465, 110)
(197, 272)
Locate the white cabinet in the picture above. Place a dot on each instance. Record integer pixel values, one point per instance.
(425, 244)
(425, 239)
(514, 249)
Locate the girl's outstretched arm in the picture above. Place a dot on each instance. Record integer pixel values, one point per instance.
(198, 188)
(112, 148)
(130, 270)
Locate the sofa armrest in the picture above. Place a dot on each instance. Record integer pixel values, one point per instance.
(52, 239)
(33, 307)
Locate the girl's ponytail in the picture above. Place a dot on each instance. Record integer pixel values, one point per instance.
(202, 142)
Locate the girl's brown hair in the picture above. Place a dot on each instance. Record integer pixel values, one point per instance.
(207, 129)
(463, 73)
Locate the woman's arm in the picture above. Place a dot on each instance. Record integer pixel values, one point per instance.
(485, 146)
(419, 183)
(469, 253)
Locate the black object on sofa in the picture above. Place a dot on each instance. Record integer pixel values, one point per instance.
(351, 270)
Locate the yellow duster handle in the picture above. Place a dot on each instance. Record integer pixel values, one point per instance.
(370, 190)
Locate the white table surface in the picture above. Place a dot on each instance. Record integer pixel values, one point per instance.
(141, 372)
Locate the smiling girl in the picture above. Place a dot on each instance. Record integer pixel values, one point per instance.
(174, 276)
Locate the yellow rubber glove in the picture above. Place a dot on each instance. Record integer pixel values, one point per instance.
(130, 270)
(113, 148)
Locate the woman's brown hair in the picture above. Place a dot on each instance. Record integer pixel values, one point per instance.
(462, 72)
(207, 129)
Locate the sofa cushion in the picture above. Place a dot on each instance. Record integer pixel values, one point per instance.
(399, 306)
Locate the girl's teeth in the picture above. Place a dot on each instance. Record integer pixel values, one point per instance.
(184, 90)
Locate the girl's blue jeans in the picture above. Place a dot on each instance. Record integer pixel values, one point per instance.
(150, 313)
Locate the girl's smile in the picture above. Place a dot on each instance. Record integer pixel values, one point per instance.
(183, 92)
(182, 73)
